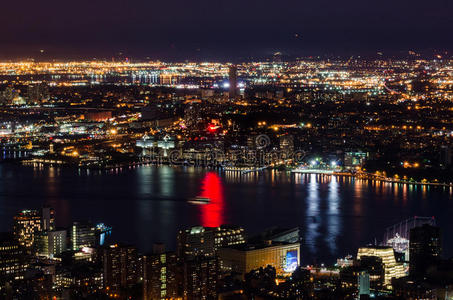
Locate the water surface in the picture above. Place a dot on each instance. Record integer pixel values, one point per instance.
(149, 204)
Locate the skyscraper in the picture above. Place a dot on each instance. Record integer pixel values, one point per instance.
(37, 93)
(232, 73)
(83, 234)
(200, 278)
(161, 276)
(204, 241)
(50, 243)
(26, 224)
(424, 249)
(445, 156)
(120, 267)
(392, 269)
(48, 218)
(241, 259)
(13, 259)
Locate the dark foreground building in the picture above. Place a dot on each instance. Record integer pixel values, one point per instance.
(424, 249)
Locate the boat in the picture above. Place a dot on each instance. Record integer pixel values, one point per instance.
(199, 200)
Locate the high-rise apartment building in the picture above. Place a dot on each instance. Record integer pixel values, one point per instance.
(13, 258)
(48, 218)
(83, 234)
(205, 241)
(424, 249)
(120, 267)
(284, 257)
(161, 276)
(201, 277)
(25, 225)
(50, 243)
(233, 81)
(392, 269)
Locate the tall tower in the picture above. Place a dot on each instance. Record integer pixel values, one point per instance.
(424, 249)
(26, 224)
(120, 267)
(48, 218)
(233, 78)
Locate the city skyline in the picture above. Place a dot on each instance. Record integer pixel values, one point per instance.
(230, 150)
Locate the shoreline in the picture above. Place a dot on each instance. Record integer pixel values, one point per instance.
(242, 171)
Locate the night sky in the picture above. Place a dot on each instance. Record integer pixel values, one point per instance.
(221, 29)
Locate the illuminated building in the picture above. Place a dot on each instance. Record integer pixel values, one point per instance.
(400, 245)
(26, 224)
(168, 79)
(160, 276)
(200, 278)
(145, 142)
(166, 143)
(81, 279)
(98, 116)
(102, 231)
(120, 267)
(345, 262)
(374, 266)
(192, 114)
(10, 95)
(371, 265)
(50, 243)
(13, 259)
(287, 144)
(354, 159)
(424, 249)
(205, 241)
(197, 247)
(86, 254)
(284, 257)
(37, 93)
(392, 269)
(83, 235)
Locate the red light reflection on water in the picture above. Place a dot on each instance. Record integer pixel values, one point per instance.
(212, 213)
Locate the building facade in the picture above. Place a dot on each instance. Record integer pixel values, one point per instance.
(161, 276)
(120, 267)
(205, 241)
(284, 257)
(83, 234)
(424, 249)
(392, 269)
(26, 224)
(51, 243)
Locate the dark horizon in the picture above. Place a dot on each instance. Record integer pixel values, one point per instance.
(226, 30)
(57, 54)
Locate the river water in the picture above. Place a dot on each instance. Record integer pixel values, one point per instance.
(148, 204)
